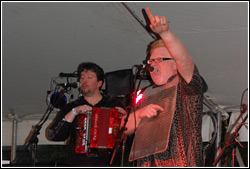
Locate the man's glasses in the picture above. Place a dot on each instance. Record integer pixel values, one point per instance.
(157, 60)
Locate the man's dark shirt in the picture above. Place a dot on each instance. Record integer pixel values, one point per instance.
(60, 130)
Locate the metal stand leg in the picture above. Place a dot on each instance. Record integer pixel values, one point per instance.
(123, 150)
(15, 119)
(218, 139)
(239, 158)
(33, 154)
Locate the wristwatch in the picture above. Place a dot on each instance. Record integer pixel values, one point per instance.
(74, 111)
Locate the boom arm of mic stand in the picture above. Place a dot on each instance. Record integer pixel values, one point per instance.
(140, 21)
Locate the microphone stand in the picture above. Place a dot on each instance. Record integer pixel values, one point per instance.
(121, 135)
(32, 143)
(33, 140)
(230, 142)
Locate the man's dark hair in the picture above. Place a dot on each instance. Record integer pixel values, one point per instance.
(92, 67)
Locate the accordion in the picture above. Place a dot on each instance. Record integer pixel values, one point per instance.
(97, 129)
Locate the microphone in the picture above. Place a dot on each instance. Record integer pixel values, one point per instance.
(66, 85)
(147, 67)
(68, 75)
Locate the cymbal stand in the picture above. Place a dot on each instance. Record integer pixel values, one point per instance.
(231, 142)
